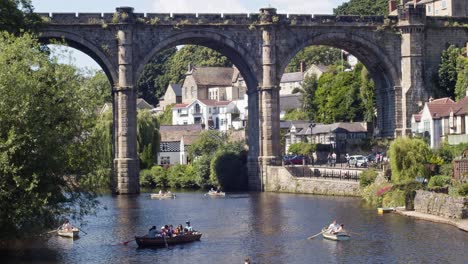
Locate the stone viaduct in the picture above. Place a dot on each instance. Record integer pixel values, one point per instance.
(401, 52)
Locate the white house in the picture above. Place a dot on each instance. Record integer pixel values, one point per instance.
(174, 143)
(210, 114)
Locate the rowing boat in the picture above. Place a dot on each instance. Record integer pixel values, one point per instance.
(340, 236)
(163, 196)
(144, 241)
(68, 233)
(214, 193)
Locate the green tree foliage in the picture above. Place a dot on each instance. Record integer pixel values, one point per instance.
(296, 114)
(367, 177)
(321, 55)
(337, 98)
(44, 122)
(439, 181)
(202, 169)
(148, 138)
(447, 78)
(228, 167)
(207, 144)
(407, 159)
(96, 87)
(367, 94)
(166, 117)
(154, 177)
(17, 16)
(363, 8)
(154, 80)
(462, 77)
(302, 148)
(196, 56)
(181, 176)
(309, 87)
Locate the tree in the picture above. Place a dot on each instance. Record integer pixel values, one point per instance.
(447, 77)
(43, 128)
(154, 80)
(148, 139)
(462, 77)
(302, 148)
(17, 16)
(207, 144)
(96, 87)
(407, 159)
(367, 94)
(363, 8)
(196, 56)
(309, 86)
(314, 55)
(296, 114)
(228, 167)
(166, 117)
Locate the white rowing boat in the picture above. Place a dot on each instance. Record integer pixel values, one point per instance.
(74, 232)
(339, 236)
(215, 193)
(163, 196)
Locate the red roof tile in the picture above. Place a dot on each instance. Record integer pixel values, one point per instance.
(440, 107)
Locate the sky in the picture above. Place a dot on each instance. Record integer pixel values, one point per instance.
(179, 6)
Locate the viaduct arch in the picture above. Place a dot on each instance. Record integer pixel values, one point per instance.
(401, 53)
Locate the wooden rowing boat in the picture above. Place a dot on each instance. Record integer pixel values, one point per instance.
(385, 210)
(340, 236)
(214, 193)
(144, 241)
(163, 196)
(69, 233)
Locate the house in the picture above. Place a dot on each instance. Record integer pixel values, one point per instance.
(340, 136)
(210, 114)
(173, 95)
(289, 102)
(141, 104)
(454, 8)
(442, 119)
(174, 143)
(292, 80)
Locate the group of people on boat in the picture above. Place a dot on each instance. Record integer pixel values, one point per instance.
(161, 192)
(218, 190)
(334, 228)
(170, 231)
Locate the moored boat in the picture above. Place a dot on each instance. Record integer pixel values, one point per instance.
(385, 210)
(69, 233)
(215, 193)
(144, 241)
(163, 196)
(339, 236)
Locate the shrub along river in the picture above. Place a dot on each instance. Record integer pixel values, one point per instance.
(267, 227)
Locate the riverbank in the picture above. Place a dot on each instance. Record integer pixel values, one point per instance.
(461, 224)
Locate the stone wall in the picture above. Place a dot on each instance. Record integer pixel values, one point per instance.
(441, 204)
(280, 180)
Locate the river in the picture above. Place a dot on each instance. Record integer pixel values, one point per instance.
(266, 227)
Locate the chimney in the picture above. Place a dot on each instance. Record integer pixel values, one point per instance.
(302, 65)
(392, 5)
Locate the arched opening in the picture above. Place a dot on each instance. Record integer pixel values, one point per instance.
(229, 111)
(350, 82)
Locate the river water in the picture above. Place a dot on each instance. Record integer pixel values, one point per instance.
(266, 227)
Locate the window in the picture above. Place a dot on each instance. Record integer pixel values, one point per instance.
(444, 4)
(165, 160)
(429, 9)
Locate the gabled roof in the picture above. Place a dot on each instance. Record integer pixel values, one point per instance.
(440, 107)
(192, 127)
(212, 76)
(189, 139)
(142, 104)
(179, 106)
(176, 132)
(176, 88)
(213, 102)
(292, 77)
(353, 127)
(461, 107)
(290, 101)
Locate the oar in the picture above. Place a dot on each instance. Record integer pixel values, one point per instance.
(359, 234)
(126, 242)
(82, 230)
(311, 237)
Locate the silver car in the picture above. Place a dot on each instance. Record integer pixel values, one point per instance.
(358, 161)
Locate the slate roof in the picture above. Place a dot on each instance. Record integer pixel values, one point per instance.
(292, 77)
(290, 101)
(214, 102)
(213, 76)
(329, 128)
(176, 132)
(176, 88)
(142, 104)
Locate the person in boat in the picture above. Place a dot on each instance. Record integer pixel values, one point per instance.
(218, 189)
(161, 192)
(189, 227)
(212, 190)
(171, 231)
(332, 227)
(67, 226)
(152, 232)
(340, 229)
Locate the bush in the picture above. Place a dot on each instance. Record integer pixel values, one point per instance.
(370, 193)
(229, 170)
(407, 159)
(410, 192)
(367, 177)
(439, 181)
(181, 176)
(394, 198)
(146, 179)
(463, 189)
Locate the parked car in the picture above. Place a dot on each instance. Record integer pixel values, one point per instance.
(358, 161)
(294, 159)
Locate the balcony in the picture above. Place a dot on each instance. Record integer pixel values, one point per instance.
(196, 112)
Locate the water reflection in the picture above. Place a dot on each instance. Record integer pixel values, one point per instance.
(267, 227)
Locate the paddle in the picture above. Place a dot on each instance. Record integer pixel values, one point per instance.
(126, 242)
(82, 230)
(311, 237)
